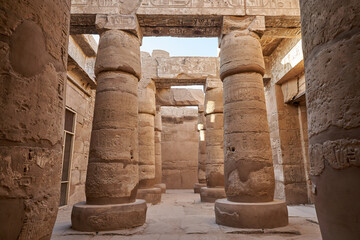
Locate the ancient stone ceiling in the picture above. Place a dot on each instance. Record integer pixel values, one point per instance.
(188, 18)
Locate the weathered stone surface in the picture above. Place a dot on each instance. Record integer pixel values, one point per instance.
(150, 195)
(181, 67)
(249, 175)
(201, 127)
(33, 57)
(211, 194)
(236, 45)
(198, 186)
(288, 122)
(213, 101)
(112, 176)
(214, 137)
(146, 149)
(95, 218)
(124, 49)
(331, 55)
(179, 146)
(179, 97)
(272, 214)
(104, 7)
(158, 157)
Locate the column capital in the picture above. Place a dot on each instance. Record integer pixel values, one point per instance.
(128, 23)
(248, 25)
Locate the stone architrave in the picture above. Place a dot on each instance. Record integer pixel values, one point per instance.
(158, 159)
(249, 173)
(333, 105)
(32, 103)
(201, 127)
(147, 110)
(214, 142)
(113, 171)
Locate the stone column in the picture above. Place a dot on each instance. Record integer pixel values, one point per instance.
(33, 62)
(332, 71)
(249, 173)
(214, 142)
(201, 127)
(158, 160)
(147, 109)
(113, 171)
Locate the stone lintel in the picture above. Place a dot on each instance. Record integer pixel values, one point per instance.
(213, 82)
(127, 23)
(180, 97)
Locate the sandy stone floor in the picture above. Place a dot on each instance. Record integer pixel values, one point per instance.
(181, 216)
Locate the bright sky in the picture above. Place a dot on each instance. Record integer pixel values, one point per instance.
(191, 47)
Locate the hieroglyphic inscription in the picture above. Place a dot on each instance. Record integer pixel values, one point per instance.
(273, 7)
(339, 154)
(98, 3)
(272, 4)
(193, 3)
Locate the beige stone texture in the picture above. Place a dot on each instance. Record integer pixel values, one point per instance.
(249, 174)
(146, 149)
(211, 194)
(331, 56)
(33, 57)
(83, 105)
(104, 7)
(251, 215)
(89, 218)
(158, 157)
(124, 49)
(285, 102)
(232, 60)
(150, 195)
(179, 147)
(182, 215)
(214, 136)
(113, 176)
(179, 97)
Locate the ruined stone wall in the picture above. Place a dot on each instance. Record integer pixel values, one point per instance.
(288, 123)
(83, 105)
(180, 143)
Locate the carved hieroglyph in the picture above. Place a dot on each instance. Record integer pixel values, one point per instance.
(188, 7)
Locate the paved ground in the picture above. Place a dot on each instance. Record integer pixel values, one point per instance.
(181, 216)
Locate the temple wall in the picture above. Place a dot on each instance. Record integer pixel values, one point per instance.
(286, 109)
(80, 99)
(180, 143)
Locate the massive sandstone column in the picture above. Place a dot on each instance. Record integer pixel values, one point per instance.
(147, 109)
(331, 46)
(201, 127)
(214, 142)
(158, 159)
(33, 59)
(249, 173)
(113, 172)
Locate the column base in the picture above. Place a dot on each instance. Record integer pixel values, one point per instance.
(210, 195)
(95, 218)
(150, 195)
(251, 215)
(197, 187)
(162, 186)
